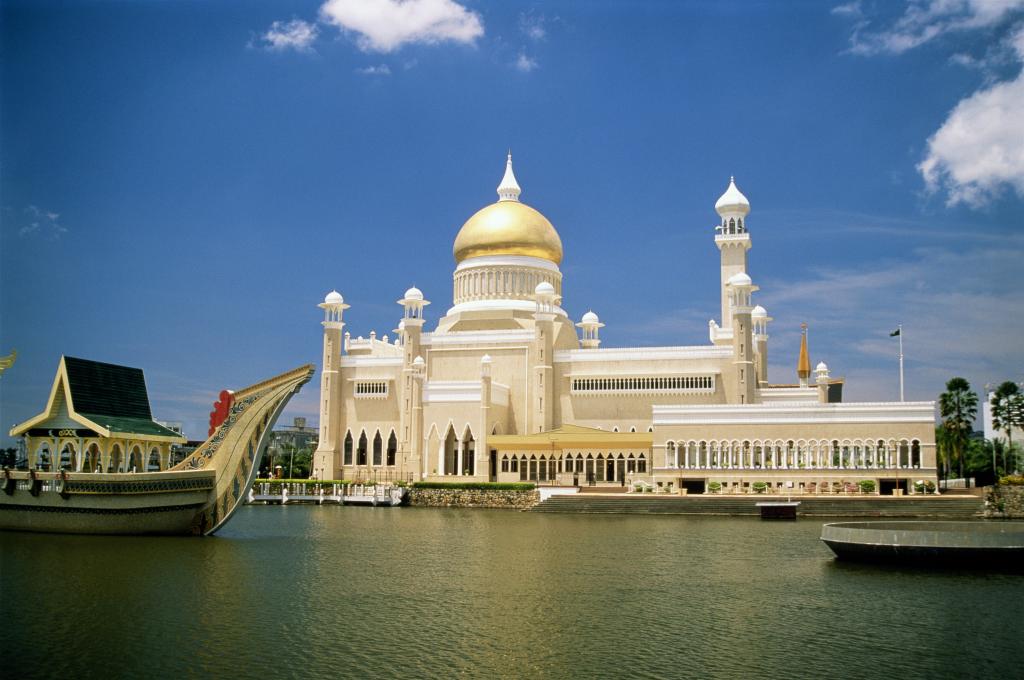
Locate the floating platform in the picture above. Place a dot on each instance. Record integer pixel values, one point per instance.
(778, 509)
(977, 544)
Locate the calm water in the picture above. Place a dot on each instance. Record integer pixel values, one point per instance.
(423, 593)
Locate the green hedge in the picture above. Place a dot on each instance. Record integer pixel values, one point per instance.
(476, 486)
(1012, 480)
(866, 485)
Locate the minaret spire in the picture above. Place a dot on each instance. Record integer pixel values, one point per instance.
(803, 364)
(509, 189)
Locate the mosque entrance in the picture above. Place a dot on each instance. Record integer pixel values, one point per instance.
(694, 486)
(887, 487)
(609, 470)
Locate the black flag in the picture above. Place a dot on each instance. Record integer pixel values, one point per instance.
(894, 333)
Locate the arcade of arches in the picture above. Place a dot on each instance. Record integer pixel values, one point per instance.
(97, 455)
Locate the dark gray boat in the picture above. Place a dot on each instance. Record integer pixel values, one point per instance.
(977, 544)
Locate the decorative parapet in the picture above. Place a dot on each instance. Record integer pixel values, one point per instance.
(795, 413)
(643, 353)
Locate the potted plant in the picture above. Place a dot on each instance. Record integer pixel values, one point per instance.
(760, 487)
(714, 487)
(866, 485)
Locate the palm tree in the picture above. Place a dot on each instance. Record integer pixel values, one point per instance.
(958, 406)
(1007, 404)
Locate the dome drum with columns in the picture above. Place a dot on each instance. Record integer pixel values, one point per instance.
(507, 388)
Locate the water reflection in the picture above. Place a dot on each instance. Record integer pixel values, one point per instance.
(346, 592)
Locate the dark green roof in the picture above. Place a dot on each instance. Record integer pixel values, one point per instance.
(141, 426)
(107, 390)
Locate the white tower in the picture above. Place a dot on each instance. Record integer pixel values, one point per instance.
(732, 239)
(413, 372)
(543, 348)
(759, 317)
(740, 288)
(591, 326)
(327, 459)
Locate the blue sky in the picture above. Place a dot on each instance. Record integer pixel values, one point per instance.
(182, 182)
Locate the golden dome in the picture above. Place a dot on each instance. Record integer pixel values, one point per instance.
(508, 227)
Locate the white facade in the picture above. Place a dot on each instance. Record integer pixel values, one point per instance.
(505, 359)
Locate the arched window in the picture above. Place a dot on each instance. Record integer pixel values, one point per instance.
(504, 463)
(67, 457)
(116, 463)
(361, 450)
(392, 448)
(153, 464)
(378, 449)
(92, 459)
(347, 456)
(43, 458)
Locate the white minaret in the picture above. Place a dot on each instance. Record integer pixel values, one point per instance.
(740, 288)
(732, 239)
(759, 318)
(327, 459)
(410, 419)
(543, 349)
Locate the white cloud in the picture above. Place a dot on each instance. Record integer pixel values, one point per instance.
(42, 223)
(957, 317)
(386, 25)
(296, 35)
(379, 70)
(923, 21)
(532, 26)
(979, 149)
(525, 63)
(850, 9)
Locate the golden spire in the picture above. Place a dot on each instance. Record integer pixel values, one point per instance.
(803, 364)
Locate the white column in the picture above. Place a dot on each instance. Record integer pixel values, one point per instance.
(458, 456)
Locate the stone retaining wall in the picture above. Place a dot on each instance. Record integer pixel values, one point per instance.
(1005, 502)
(473, 498)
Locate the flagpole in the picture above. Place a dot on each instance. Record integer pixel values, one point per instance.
(900, 327)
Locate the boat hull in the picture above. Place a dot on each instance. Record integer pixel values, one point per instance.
(91, 503)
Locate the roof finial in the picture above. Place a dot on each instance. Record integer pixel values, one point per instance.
(509, 189)
(803, 364)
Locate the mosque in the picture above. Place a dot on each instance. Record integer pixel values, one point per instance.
(507, 388)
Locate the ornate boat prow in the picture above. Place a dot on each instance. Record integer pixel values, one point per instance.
(235, 448)
(197, 496)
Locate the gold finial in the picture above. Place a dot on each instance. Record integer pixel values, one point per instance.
(803, 364)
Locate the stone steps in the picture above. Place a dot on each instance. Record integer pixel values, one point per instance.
(947, 508)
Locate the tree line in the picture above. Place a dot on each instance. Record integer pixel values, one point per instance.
(981, 458)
